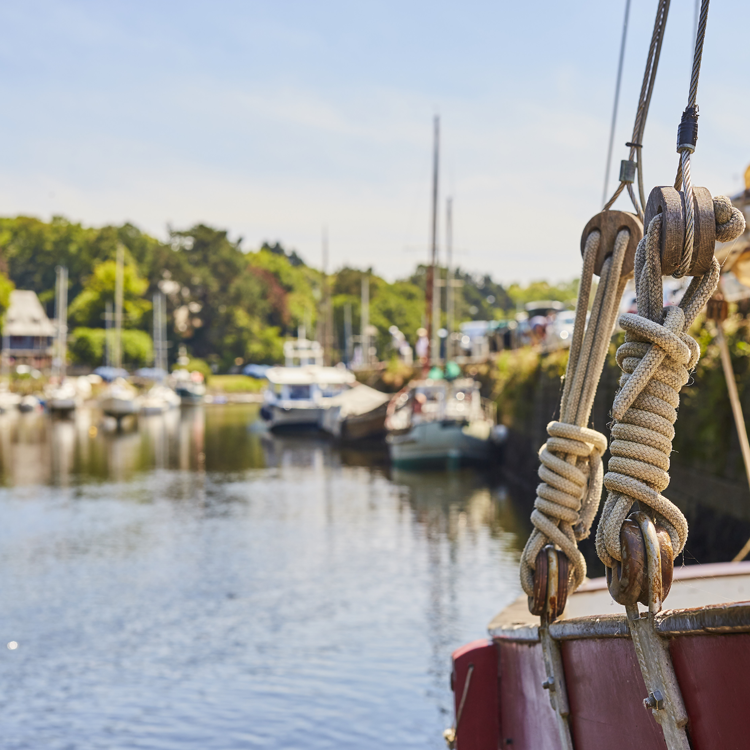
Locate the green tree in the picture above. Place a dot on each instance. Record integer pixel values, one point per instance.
(87, 346)
(88, 308)
(566, 292)
(6, 287)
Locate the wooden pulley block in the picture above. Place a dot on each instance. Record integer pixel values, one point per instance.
(671, 203)
(628, 580)
(547, 590)
(609, 223)
(717, 308)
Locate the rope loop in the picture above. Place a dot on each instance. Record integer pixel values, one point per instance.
(568, 497)
(571, 470)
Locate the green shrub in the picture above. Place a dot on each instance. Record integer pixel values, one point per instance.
(87, 347)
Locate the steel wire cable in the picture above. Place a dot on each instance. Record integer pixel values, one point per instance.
(683, 178)
(617, 101)
(644, 103)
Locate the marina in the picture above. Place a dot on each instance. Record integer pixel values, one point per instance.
(339, 410)
(250, 571)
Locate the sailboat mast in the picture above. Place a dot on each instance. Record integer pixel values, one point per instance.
(449, 287)
(433, 308)
(62, 321)
(163, 335)
(327, 323)
(58, 324)
(364, 336)
(157, 332)
(348, 334)
(118, 307)
(108, 334)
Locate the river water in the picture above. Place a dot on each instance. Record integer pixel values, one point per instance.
(194, 582)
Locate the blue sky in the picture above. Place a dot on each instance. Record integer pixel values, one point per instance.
(272, 119)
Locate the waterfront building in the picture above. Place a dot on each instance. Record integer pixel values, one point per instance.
(28, 333)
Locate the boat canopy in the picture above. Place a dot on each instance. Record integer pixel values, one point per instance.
(359, 400)
(312, 374)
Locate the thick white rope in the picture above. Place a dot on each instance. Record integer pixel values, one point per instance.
(656, 360)
(571, 471)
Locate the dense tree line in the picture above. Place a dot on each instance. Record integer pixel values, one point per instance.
(224, 304)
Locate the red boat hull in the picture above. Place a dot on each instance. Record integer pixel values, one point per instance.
(505, 705)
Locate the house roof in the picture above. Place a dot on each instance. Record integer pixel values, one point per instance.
(26, 316)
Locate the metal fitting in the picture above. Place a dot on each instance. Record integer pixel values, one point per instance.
(687, 132)
(627, 171)
(549, 683)
(655, 701)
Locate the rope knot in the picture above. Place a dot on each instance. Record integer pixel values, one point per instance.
(730, 222)
(656, 360)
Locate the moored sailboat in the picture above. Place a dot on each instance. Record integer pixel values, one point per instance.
(441, 422)
(62, 398)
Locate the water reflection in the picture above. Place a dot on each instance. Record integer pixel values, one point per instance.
(194, 581)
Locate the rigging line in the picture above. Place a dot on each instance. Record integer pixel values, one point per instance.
(660, 26)
(644, 102)
(695, 18)
(698, 58)
(687, 137)
(617, 100)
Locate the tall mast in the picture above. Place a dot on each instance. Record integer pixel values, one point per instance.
(449, 288)
(364, 334)
(62, 320)
(433, 308)
(163, 337)
(159, 333)
(327, 322)
(108, 333)
(118, 307)
(348, 334)
(56, 364)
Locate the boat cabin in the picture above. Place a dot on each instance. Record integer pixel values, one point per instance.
(298, 396)
(437, 400)
(300, 352)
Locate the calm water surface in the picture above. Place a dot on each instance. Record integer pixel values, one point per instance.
(195, 583)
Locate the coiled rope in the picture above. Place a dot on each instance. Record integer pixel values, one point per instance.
(656, 360)
(571, 469)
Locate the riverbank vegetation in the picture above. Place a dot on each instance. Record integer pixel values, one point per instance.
(227, 304)
(526, 385)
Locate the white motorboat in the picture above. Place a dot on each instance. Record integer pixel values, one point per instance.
(8, 399)
(189, 386)
(62, 399)
(29, 403)
(119, 400)
(159, 399)
(298, 396)
(437, 421)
